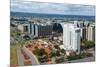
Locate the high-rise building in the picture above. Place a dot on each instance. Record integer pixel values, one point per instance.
(81, 24)
(71, 37)
(83, 33)
(91, 33)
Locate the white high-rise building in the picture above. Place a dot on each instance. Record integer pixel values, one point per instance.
(71, 37)
(91, 33)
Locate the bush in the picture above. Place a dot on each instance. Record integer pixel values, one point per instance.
(88, 44)
(80, 56)
(74, 57)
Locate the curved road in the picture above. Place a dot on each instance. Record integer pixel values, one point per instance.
(33, 58)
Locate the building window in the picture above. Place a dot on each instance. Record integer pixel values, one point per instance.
(25, 28)
(34, 29)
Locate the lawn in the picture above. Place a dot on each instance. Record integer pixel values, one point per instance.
(13, 56)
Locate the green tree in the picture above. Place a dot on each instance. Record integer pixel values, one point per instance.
(57, 47)
(88, 44)
(63, 51)
(53, 54)
(39, 52)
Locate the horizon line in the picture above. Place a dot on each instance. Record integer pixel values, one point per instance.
(50, 13)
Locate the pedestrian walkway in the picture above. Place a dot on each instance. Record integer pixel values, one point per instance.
(20, 57)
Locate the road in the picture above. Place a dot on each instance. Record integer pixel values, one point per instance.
(33, 58)
(20, 57)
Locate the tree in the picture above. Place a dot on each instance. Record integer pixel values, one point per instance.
(63, 51)
(39, 52)
(58, 53)
(53, 54)
(88, 44)
(26, 37)
(16, 33)
(57, 47)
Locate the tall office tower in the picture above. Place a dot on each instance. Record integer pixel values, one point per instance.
(87, 33)
(86, 23)
(71, 37)
(76, 23)
(83, 33)
(91, 33)
(79, 24)
(42, 30)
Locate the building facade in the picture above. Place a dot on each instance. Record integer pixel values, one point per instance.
(83, 33)
(24, 28)
(36, 30)
(91, 33)
(42, 30)
(71, 37)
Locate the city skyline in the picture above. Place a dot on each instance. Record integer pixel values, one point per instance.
(51, 33)
(52, 8)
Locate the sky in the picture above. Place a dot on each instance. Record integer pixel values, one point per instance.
(52, 8)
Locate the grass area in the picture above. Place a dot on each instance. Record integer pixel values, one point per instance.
(13, 51)
(13, 56)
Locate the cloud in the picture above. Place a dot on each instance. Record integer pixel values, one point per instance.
(55, 8)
